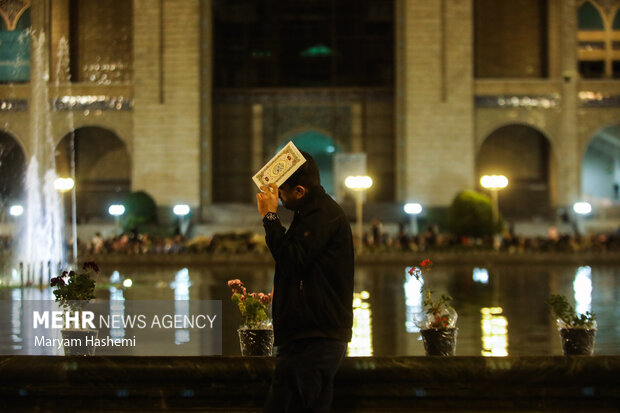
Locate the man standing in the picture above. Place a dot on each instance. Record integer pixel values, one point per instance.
(313, 290)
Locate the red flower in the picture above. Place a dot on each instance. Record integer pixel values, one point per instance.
(426, 263)
(57, 281)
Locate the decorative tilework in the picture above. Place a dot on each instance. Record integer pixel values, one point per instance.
(591, 99)
(11, 10)
(517, 101)
(93, 103)
(13, 105)
(74, 103)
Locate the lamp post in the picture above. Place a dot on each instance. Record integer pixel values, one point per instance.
(181, 211)
(494, 183)
(581, 209)
(64, 185)
(16, 210)
(413, 209)
(359, 185)
(116, 211)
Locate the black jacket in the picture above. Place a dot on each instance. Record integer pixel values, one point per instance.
(313, 284)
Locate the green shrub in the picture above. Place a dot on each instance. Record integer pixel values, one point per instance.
(140, 210)
(471, 214)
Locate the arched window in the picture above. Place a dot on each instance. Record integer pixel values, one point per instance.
(589, 18)
(15, 49)
(600, 169)
(599, 41)
(615, 44)
(616, 23)
(12, 170)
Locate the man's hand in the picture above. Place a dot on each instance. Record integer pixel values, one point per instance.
(267, 200)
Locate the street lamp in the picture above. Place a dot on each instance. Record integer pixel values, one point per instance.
(581, 209)
(181, 211)
(359, 185)
(116, 211)
(64, 185)
(413, 209)
(494, 183)
(16, 210)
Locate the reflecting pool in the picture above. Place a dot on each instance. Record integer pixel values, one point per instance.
(501, 307)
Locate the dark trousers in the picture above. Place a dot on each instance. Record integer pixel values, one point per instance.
(304, 377)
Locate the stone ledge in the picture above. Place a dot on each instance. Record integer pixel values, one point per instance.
(387, 258)
(377, 384)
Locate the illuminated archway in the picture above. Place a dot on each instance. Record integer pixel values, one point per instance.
(12, 171)
(102, 169)
(600, 169)
(523, 154)
(322, 148)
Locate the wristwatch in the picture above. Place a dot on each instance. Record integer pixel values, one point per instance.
(270, 216)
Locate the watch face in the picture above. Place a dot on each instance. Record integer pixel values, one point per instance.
(270, 216)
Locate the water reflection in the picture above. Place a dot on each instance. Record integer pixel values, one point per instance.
(16, 319)
(385, 305)
(361, 341)
(117, 307)
(181, 286)
(481, 275)
(583, 289)
(413, 300)
(494, 332)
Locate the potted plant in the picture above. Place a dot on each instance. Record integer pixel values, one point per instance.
(73, 291)
(256, 332)
(577, 331)
(437, 322)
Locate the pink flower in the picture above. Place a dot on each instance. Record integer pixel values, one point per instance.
(265, 299)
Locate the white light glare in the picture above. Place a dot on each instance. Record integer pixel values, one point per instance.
(494, 181)
(63, 184)
(583, 208)
(16, 210)
(358, 182)
(481, 275)
(116, 210)
(412, 208)
(181, 210)
(127, 283)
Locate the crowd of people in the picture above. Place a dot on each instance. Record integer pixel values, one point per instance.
(374, 241)
(432, 240)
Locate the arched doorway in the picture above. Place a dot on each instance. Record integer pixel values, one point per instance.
(523, 155)
(12, 171)
(322, 148)
(102, 170)
(600, 171)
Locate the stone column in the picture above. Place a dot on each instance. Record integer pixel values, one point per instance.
(357, 133)
(58, 30)
(206, 105)
(434, 100)
(567, 154)
(257, 136)
(38, 102)
(167, 102)
(553, 38)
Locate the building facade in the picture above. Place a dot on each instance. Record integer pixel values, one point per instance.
(186, 99)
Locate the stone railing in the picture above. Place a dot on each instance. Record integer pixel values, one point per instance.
(374, 384)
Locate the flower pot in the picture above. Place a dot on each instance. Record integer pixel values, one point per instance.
(439, 341)
(256, 342)
(79, 342)
(577, 341)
